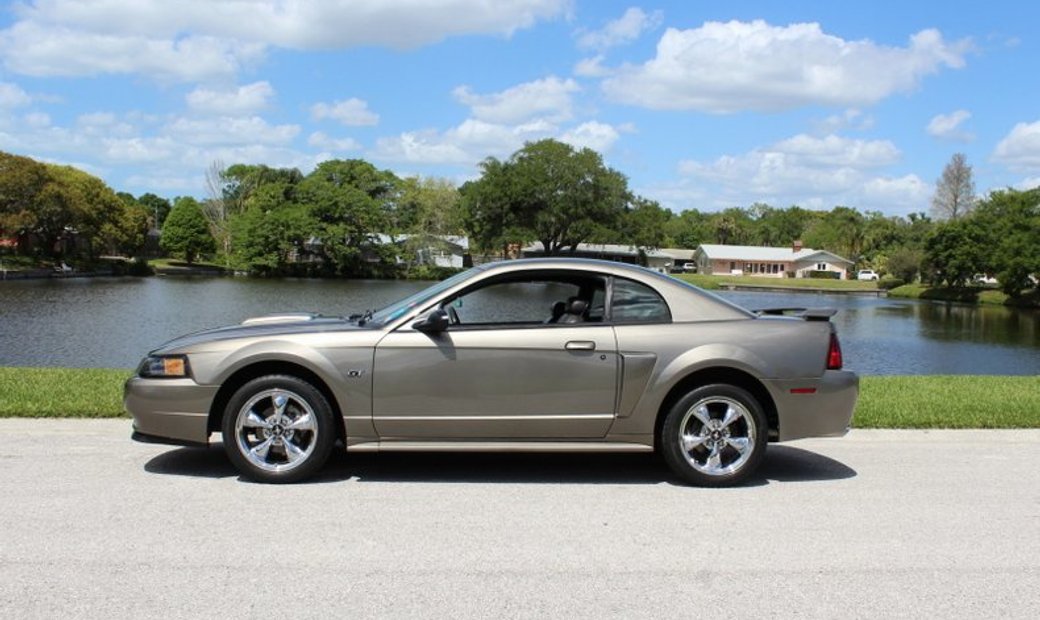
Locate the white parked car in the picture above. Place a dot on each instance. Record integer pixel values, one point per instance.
(867, 274)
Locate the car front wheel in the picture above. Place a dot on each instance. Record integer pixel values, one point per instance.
(714, 436)
(278, 428)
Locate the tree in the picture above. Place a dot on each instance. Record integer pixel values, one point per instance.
(905, 263)
(1012, 218)
(547, 191)
(22, 181)
(93, 212)
(732, 226)
(779, 227)
(957, 251)
(186, 232)
(350, 201)
(954, 190)
(690, 229)
(841, 230)
(428, 206)
(644, 225)
(156, 206)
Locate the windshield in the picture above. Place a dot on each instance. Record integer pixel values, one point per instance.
(399, 308)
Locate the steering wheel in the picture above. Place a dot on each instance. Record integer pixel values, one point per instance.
(453, 317)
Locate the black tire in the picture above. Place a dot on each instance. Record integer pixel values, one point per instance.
(266, 445)
(710, 456)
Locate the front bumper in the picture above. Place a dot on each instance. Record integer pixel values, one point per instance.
(825, 412)
(171, 410)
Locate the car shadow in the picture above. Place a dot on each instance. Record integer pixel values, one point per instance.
(782, 464)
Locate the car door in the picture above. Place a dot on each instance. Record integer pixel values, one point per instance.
(507, 368)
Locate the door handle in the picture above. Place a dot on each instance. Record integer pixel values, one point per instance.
(580, 345)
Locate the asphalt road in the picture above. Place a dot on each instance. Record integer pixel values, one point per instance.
(876, 524)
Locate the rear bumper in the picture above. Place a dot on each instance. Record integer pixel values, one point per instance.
(818, 407)
(174, 411)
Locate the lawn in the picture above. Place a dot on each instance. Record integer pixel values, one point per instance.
(885, 402)
(948, 402)
(715, 282)
(171, 264)
(969, 294)
(61, 392)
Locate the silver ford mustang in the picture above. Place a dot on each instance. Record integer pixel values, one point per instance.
(533, 355)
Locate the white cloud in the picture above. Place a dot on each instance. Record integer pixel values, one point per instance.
(322, 141)
(1020, 149)
(852, 118)
(1028, 183)
(900, 195)
(548, 98)
(231, 131)
(475, 140)
(138, 149)
(727, 67)
(591, 67)
(624, 29)
(242, 100)
(12, 96)
(948, 126)
(37, 120)
(808, 171)
(166, 183)
(594, 135)
(834, 151)
(466, 144)
(103, 124)
(200, 39)
(39, 49)
(352, 112)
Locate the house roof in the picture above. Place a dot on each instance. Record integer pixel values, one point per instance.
(765, 254)
(462, 242)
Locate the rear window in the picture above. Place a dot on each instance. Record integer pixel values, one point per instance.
(633, 302)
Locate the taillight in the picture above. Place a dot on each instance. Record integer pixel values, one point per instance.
(834, 354)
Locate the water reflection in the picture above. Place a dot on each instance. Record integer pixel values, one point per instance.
(113, 322)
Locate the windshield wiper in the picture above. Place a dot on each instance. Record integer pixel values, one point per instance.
(362, 318)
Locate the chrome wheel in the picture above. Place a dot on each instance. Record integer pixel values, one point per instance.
(276, 430)
(717, 436)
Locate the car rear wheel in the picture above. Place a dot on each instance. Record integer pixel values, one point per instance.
(278, 429)
(714, 436)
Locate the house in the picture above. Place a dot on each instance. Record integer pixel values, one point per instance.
(662, 260)
(794, 261)
(450, 251)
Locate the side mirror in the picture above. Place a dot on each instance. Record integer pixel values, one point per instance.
(433, 323)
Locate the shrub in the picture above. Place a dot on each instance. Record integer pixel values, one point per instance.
(825, 275)
(890, 283)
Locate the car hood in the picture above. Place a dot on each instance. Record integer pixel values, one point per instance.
(259, 327)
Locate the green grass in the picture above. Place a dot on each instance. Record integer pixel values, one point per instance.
(715, 282)
(884, 402)
(173, 264)
(61, 392)
(948, 402)
(968, 294)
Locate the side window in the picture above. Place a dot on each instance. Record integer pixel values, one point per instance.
(633, 302)
(515, 303)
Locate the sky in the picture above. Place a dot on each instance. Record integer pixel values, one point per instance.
(701, 104)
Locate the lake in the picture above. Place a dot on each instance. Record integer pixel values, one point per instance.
(113, 322)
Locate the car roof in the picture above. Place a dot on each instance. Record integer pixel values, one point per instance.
(686, 301)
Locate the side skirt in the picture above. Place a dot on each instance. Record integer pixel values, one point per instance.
(497, 446)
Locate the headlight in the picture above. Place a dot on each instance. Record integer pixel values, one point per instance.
(164, 366)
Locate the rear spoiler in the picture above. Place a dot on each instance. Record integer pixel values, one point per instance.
(809, 314)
